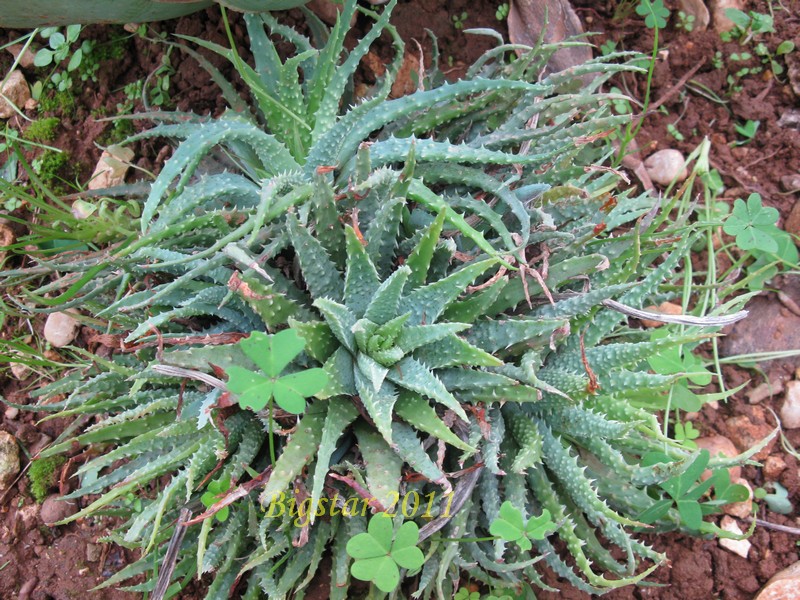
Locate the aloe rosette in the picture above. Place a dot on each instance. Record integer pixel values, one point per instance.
(444, 265)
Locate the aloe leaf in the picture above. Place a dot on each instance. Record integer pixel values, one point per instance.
(341, 413)
(383, 465)
(361, 277)
(379, 404)
(273, 155)
(383, 306)
(413, 375)
(427, 303)
(299, 451)
(416, 411)
(408, 447)
(319, 271)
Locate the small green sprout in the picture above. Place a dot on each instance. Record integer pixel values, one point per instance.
(685, 21)
(748, 131)
(511, 527)
(778, 501)
(685, 495)
(502, 11)
(380, 553)
(272, 353)
(211, 496)
(686, 433)
(459, 20)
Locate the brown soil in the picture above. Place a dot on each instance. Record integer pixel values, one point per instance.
(64, 562)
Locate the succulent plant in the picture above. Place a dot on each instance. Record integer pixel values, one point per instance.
(454, 287)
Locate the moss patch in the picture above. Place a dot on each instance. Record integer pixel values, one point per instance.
(43, 130)
(42, 476)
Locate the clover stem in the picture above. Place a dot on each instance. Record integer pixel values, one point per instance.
(271, 439)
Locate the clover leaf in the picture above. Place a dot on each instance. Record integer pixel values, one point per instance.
(655, 13)
(210, 497)
(272, 353)
(511, 527)
(753, 225)
(379, 552)
(685, 492)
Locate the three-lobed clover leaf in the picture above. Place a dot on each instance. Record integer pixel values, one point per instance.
(210, 497)
(272, 353)
(753, 225)
(379, 552)
(511, 527)
(654, 12)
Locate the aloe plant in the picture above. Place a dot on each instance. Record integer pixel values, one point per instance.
(453, 286)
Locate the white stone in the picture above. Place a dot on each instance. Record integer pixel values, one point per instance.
(764, 391)
(9, 460)
(12, 412)
(15, 90)
(60, 329)
(666, 166)
(111, 168)
(741, 510)
(740, 547)
(790, 411)
(20, 371)
(784, 585)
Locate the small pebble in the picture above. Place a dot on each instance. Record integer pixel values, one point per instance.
(665, 308)
(740, 547)
(20, 371)
(666, 166)
(27, 588)
(784, 585)
(764, 391)
(9, 460)
(55, 509)
(111, 168)
(60, 329)
(790, 410)
(93, 552)
(792, 223)
(698, 10)
(773, 467)
(12, 412)
(716, 445)
(15, 90)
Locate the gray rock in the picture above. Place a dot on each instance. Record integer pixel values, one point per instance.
(55, 509)
(9, 460)
(93, 552)
(770, 327)
(60, 329)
